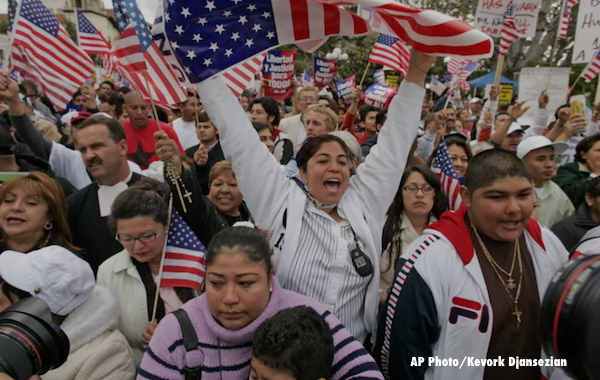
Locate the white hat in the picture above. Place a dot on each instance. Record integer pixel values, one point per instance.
(537, 142)
(54, 274)
(514, 127)
(475, 100)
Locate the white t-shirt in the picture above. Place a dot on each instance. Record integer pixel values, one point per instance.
(186, 132)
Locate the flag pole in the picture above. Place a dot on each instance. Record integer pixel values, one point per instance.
(597, 100)
(364, 75)
(499, 68)
(160, 129)
(162, 262)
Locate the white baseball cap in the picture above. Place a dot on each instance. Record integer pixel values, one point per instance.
(537, 142)
(54, 274)
(513, 128)
(475, 100)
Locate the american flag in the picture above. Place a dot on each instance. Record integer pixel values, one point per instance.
(92, 42)
(565, 15)
(391, 52)
(47, 53)
(509, 32)
(306, 80)
(437, 86)
(459, 78)
(210, 36)
(379, 76)
(239, 76)
(592, 69)
(444, 168)
(183, 265)
(140, 61)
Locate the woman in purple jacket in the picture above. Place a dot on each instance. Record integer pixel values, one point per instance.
(241, 293)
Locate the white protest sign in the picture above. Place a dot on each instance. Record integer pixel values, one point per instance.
(490, 15)
(587, 32)
(533, 81)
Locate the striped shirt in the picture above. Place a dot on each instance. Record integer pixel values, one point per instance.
(324, 271)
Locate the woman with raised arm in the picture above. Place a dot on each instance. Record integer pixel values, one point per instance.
(325, 228)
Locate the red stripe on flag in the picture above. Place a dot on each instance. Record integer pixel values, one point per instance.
(184, 256)
(180, 283)
(332, 19)
(360, 25)
(181, 269)
(299, 10)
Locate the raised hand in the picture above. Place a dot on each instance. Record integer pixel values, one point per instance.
(201, 156)
(518, 110)
(543, 100)
(419, 66)
(166, 148)
(9, 89)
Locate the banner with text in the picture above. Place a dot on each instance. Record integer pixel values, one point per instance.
(344, 89)
(279, 69)
(379, 76)
(379, 96)
(490, 14)
(533, 80)
(325, 70)
(587, 31)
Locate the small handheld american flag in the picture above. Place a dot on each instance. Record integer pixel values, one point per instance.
(444, 168)
(592, 69)
(509, 32)
(565, 15)
(391, 52)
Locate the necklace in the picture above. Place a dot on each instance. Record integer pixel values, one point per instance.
(511, 282)
(517, 313)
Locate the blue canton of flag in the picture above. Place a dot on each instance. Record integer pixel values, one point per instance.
(36, 13)
(12, 9)
(84, 24)
(127, 12)
(510, 11)
(443, 161)
(386, 39)
(231, 31)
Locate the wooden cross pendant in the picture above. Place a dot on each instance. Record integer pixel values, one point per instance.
(188, 196)
(517, 314)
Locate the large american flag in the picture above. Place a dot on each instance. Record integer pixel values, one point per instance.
(92, 42)
(209, 36)
(444, 168)
(509, 33)
(46, 52)
(140, 61)
(565, 15)
(391, 52)
(592, 69)
(183, 265)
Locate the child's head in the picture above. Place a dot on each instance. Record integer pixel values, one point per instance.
(296, 344)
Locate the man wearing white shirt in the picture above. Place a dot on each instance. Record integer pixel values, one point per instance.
(185, 126)
(293, 126)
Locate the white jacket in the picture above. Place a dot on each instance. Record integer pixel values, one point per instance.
(269, 193)
(290, 126)
(438, 268)
(98, 349)
(121, 277)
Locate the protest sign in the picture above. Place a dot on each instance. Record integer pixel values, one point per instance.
(587, 32)
(379, 96)
(532, 82)
(392, 80)
(279, 69)
(490, 14)
(344, 89)
(325, 70)
(506, 93)
(379, 76)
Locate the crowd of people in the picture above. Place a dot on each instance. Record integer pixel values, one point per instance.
(332, 248)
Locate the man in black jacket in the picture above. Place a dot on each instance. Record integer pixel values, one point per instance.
(208, 152)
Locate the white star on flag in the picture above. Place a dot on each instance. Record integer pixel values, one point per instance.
(191, 54)
(214, 46)
(202, 20)
(197, 38)
(249, 42)
(179, 29)
(210, 5)
(243, 20)
(185, 12)
(228, 52)
(220, 29)
(256, 27)
(207, 62)
(235, 36)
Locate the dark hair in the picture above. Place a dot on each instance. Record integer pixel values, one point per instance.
(271, 107)
(249, 240)
(296, 341)
(115, 128)
(557, 113)
(246, 94)
(364, 111)
(312, 144)
(114, 99)
(502, 113)
(260, 126)
(332, 103)
(592, 188)
(584, 146)
(111, 84)
(144, 199)
(124, 90)
(462, 143)
(75, 94)
(190, 94)
(489, 166)
(394, 216)
(381, 116)
(203, 117)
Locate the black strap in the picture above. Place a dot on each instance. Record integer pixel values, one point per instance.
(190, 343)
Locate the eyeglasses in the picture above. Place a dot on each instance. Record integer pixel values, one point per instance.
(411, 189)
(308, 99)
(128, 240)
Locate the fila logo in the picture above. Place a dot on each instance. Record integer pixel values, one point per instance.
(469, 309)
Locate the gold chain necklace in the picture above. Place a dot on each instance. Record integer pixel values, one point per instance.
(517, 313)
(511, 282)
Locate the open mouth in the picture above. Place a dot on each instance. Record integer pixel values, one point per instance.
(12, 221)
(511, 224)
(332, 184)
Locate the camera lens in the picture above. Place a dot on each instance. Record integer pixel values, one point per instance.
(30, 343)
(570, 317)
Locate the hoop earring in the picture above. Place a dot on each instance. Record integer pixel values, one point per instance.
(48, 226)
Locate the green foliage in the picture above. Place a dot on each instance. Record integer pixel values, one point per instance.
(71, 29)
(3, 26)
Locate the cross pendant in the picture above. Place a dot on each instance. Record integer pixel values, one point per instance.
(188, 196)
(517, 314)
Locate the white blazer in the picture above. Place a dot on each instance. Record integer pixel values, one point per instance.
(290, 126)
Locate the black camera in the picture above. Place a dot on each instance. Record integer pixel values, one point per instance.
(30, 344)
(570, 317)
